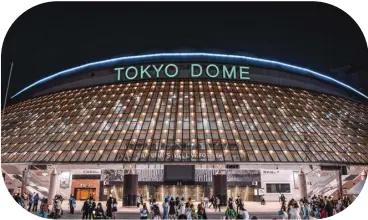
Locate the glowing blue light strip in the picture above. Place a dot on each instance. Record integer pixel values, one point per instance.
(182, 55)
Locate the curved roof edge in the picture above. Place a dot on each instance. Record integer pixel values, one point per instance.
(252, 60)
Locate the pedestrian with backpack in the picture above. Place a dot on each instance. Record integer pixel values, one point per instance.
(144, 212)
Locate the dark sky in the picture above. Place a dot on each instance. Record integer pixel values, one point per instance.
(56, 36)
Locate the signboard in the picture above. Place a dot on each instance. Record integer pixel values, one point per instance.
(65, 178)
(261, 191)
(87, 172)
(172, 70)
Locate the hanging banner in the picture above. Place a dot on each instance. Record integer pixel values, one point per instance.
(65, 178)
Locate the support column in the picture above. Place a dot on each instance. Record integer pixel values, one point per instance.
(24, 180)
(54, 176)
(339, 183)
(302, 185)
(219, 187)
(130, 189)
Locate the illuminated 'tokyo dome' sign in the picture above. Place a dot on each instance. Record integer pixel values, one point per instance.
(172, 71)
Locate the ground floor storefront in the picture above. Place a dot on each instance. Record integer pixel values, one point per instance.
(195, 192)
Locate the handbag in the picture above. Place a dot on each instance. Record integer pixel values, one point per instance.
(280, 212)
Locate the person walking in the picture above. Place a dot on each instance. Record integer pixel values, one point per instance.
(144, 211)
(138, 201)
(72, 204)
(283, 198)
(230, 211)
(165, 208)
(212, 202)
(114, 208)
(35, 202)
(218, 204)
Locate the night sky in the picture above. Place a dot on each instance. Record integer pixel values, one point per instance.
(56, 36)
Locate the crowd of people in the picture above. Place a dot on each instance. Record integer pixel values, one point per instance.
(176, 208)
(91, 210)
(33, 203)
(317, 207)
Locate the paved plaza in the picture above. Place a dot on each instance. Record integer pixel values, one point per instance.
(268, 211)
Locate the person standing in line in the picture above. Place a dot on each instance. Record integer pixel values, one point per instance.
(284, 211)
(138, 201)
(72, 204)
(218, 204)
(35, 202)
(99, 211)
(91, 208)
(57, 208)
(144, 212)
(156, 214)
(45, 209)
(114, 207)
(205, 202)
(188, 211)
(109, 207)
(294, 212)
(243, 213)
(172, 209)
(84, 210)
(30, 202)
(305, 213)
(181, 207)
(41, 205)
(141, 199)
(237, 203)
(201, 212)
(193, 212)
(165, 208)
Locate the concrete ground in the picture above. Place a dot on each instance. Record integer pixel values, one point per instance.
(250, 206)
(268, 211)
